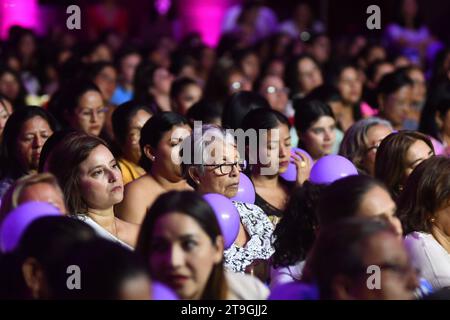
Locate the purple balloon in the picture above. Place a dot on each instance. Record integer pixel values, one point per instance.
(17, 221)
(227, 216)
(331, 168)
(246, 190)
(291, 172)
(162, 292)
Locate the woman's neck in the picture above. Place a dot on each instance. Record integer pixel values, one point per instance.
(104, 218)
(265, 181)
(164, 182)
(441, 237)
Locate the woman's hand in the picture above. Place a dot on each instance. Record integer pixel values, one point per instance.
(303, 165)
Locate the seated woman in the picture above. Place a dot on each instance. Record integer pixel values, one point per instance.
(397, 156)
(424, 208)
(25, 133)
(361, 142)
(41, 187)
(211, 163)
(92, 184)
(353, 196)
(181, 240)
(343, 254)
(316, 127)
(272, 158)
(127, 122)
(160, 139)
(80, 107)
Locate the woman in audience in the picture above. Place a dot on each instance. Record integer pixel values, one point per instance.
(181, 240)
(218, 172)
(127, 121)
(160, 142)
(184, 92)
(316, 127)
(303, 75)
(92, 184)
(397, 156)
(361, 142)
(25, 133)
(424, 208)
(270, 158)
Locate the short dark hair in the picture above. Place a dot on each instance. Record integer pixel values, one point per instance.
(307, 112)
(392, 82)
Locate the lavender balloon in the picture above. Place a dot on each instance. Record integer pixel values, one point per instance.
(227, 216)
(291, 172)
(17, 221)
(162, 292)
(331, 168)
(246, 190)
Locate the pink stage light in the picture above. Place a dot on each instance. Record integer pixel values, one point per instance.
(205, 17)
(18, 12)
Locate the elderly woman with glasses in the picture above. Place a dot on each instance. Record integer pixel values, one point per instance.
(361, 142)
(211, 163)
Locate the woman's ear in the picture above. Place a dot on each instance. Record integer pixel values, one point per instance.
(219, 245)
(194, 175)
(33, 277)
(148, 151)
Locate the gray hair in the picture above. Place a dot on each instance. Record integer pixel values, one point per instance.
(354, 143)
(194, 149)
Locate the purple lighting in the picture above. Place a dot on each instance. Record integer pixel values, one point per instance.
(18, 12)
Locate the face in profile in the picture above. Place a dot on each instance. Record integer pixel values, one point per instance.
(132, 149)
(416, 154)
(377, 203)
(320, 137)
(89, 115)
(183, 255)
(100, 179)
(375, 135)
(221, 173)
(5, 111)
(275, 154)
(398, 279)
(32, 136)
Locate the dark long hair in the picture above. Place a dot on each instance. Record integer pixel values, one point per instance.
(10, 166)
(194, 206)
(294, 235)
(427, 190)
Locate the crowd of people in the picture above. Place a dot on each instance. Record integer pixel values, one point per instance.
(113, 140)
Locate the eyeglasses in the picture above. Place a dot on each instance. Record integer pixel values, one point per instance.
(89, 113)
(226, 168)
(273, 89)
(236, 85)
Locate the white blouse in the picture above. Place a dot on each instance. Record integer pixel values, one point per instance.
(260, 229)
(430, 257)
(100, 231)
